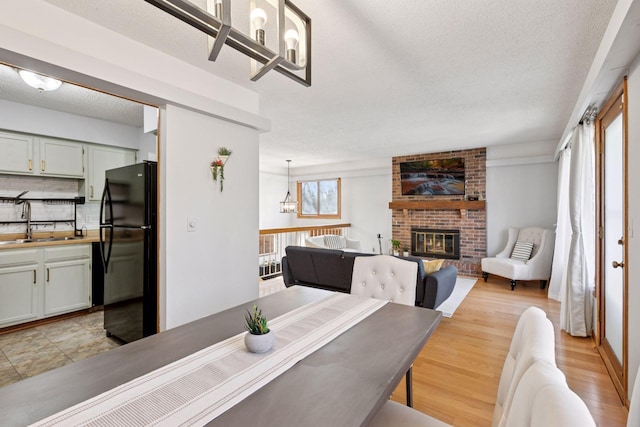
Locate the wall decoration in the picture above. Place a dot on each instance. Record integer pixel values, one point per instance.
(217, 165)
(433, 177)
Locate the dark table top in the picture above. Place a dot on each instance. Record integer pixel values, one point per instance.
(342, 384)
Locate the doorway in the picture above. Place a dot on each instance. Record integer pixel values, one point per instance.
(611, 130)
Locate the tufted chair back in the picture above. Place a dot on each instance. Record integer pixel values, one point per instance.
(385, 277)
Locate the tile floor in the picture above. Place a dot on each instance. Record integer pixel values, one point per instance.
(36, 350)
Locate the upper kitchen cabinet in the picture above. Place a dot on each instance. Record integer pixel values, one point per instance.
(17, 153)
(101, 159)
(61, 158)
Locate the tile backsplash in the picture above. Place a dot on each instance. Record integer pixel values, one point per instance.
(43, 187)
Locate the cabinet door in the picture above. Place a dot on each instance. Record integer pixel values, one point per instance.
(102, 159)
(16, 154)
(66, 286)
(18, 294)
(61, 158)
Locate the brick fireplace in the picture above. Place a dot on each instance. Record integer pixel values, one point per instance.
(447, 214)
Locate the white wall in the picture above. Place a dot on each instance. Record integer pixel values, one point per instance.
(521, 190)
(366, 194)
(631, 263)
(273, 189)
(214, 267)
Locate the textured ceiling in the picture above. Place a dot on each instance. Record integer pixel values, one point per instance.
(401, 77)
(70, 99)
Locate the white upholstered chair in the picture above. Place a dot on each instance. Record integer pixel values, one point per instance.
(528, 370)
(536, 267)
(533, 339)
(387, 278)
(543, 399)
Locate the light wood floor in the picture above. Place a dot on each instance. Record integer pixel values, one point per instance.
(455, 377)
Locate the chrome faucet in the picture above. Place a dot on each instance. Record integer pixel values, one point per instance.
(26, 214)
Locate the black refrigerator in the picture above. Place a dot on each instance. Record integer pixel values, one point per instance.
(128, 245)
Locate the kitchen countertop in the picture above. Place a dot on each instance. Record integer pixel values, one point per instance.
(91, 236)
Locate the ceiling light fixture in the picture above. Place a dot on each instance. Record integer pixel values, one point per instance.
(288, 205)
(287, 50)
(38, 81)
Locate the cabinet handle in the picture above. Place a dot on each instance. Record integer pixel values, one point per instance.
(91, 188)
(43, 166)
(34, 276)
(47, 274)
(30, 164)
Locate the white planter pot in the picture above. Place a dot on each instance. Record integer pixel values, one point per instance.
(259, 343)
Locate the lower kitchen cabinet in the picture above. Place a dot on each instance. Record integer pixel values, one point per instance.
(18, 292)
(41, 282)
(67, 271)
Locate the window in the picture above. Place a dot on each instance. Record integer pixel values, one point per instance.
(319, 199)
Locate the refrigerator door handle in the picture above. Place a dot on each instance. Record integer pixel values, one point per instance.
(106, 199)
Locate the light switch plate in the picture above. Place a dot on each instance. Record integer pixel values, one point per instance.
(191, 224)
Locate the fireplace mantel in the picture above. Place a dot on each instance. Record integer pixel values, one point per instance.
(438, 204)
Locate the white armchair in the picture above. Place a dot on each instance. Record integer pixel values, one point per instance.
(537, 267)
(332, 241)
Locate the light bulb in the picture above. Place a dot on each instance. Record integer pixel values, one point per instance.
(291, 40)
(40, 82)
(259, 18)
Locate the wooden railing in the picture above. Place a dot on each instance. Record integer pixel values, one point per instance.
(273, 241)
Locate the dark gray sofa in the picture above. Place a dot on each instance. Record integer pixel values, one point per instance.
(332, 269)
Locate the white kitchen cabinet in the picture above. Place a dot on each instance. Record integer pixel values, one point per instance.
(20, 280)
(67, 278)
(16, 154)
(41, 282)
(101, 159)
(61, 158)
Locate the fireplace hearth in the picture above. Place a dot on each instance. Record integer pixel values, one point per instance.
(435, 243)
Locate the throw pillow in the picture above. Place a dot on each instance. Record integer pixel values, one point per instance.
(334, 242)
(522, 251)
(432, 266)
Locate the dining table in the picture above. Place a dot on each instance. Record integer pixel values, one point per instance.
(343, 383)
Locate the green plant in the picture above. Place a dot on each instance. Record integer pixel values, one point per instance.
(224, 151)
(256, 323)
(395, 244)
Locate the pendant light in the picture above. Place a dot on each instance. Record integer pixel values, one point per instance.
(288, 205)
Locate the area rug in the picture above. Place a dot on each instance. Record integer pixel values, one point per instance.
(460, 291)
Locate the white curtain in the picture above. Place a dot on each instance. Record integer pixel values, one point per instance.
(557, 284)
(576, 312)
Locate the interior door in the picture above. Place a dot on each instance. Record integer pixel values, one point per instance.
(612, 221)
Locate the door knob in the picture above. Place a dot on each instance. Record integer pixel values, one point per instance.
(617, 264)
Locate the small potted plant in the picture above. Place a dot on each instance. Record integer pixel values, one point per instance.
(405, 249)
(259, 338)
(223, 154)
(395, 244)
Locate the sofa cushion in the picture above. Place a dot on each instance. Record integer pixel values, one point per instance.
(334, 242)
(522, 250)
(431, 266)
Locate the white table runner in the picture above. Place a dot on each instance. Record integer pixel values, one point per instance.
(196, 389)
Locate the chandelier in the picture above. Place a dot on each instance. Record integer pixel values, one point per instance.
(288, 205)
(278, 38)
